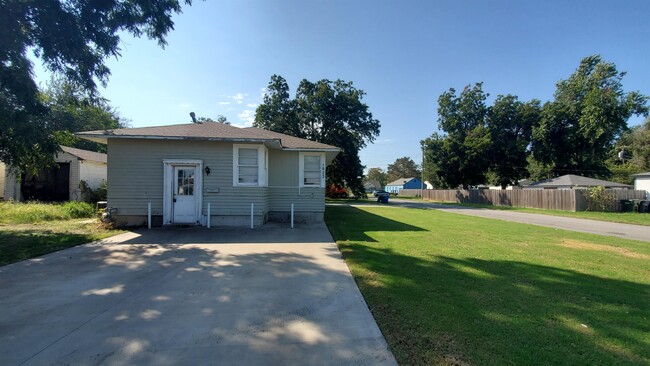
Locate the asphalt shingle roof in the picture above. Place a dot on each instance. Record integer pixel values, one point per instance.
(571, 180)
(209, 131)
(85, 154)
(400, 182)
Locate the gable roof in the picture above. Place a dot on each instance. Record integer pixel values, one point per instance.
(85, 154)
(571, 180)
(400, 181)
(213, 131)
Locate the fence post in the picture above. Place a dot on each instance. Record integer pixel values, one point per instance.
(148, 215)
(292, 215)
(252, 212)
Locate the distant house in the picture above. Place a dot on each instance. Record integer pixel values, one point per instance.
(59, 182)
(521, 184)
(403, 183)
(192, 173)
(642, 183)
(571, 181)
(371, 185)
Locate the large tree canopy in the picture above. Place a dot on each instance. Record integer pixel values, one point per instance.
(331, 112)
(461, 157)
(72, 38)
(72, 110)
(510, 123)
(403, 167)
(579, 127)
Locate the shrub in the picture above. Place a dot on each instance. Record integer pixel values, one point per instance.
(598, 199)
(77, 210)
(93, 195)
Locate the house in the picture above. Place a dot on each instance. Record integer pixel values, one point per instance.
(403, 183)
(642, 183)
(520, 184)
(571, 181)
(371, 185)
(189, 171)
(59, 182)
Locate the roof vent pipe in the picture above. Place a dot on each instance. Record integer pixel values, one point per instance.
(193, 115)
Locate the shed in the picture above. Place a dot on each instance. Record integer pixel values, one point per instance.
(183, 169)
(403, 183)
(59, 182)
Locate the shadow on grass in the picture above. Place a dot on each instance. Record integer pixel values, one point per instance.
(441, 310)
(353, 224)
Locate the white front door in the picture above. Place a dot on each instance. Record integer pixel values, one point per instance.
(183, 195)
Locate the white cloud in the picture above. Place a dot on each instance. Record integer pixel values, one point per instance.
(184, 105)
(263, 90)
(251, 105)
(247, 117)
(224, 103)
(239, 97)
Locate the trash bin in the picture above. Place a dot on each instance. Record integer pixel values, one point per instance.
(643, 206)
(384, 198)
(627, 206)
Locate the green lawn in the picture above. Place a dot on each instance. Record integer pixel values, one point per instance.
(29, 230)
(453, 289)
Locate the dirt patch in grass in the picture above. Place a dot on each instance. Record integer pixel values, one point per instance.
(575, 244)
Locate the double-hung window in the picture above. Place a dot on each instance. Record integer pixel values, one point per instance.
(249, 163)
(312, 170)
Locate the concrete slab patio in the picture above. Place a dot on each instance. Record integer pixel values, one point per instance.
(268, 296)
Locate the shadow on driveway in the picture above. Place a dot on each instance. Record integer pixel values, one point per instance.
(171, 296)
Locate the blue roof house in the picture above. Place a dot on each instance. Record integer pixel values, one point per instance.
(403, 183)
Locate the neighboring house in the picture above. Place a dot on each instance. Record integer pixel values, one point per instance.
(521, 184)
(403, 183)
(642, 183)
(371, 185)
(571, 181)
(59, 182)
(181, 169)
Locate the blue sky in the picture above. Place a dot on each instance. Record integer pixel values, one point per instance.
(403, 54)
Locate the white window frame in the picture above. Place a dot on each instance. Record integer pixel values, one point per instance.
(301, 169)
(262, 163)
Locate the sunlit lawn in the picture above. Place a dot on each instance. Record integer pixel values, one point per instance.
(455, 289)
(24, 241)
(635, 218)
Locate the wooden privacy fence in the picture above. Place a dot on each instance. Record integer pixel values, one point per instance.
(549, 199)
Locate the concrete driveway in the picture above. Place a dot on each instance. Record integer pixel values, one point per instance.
(625, 231)
(269, 296)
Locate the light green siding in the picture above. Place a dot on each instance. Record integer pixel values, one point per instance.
(135, 176)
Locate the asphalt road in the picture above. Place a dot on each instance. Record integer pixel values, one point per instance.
(625, 231)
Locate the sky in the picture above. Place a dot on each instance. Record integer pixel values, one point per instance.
(403, 54)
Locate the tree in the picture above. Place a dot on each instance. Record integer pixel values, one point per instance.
(403, 167)
(378, 175)
(590, 110)
(461, 157)
(510, 124)
(72, 38)
(220, 119)
(72, 110)
(330, 112)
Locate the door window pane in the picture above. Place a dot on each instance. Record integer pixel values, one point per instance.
(185, 182)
